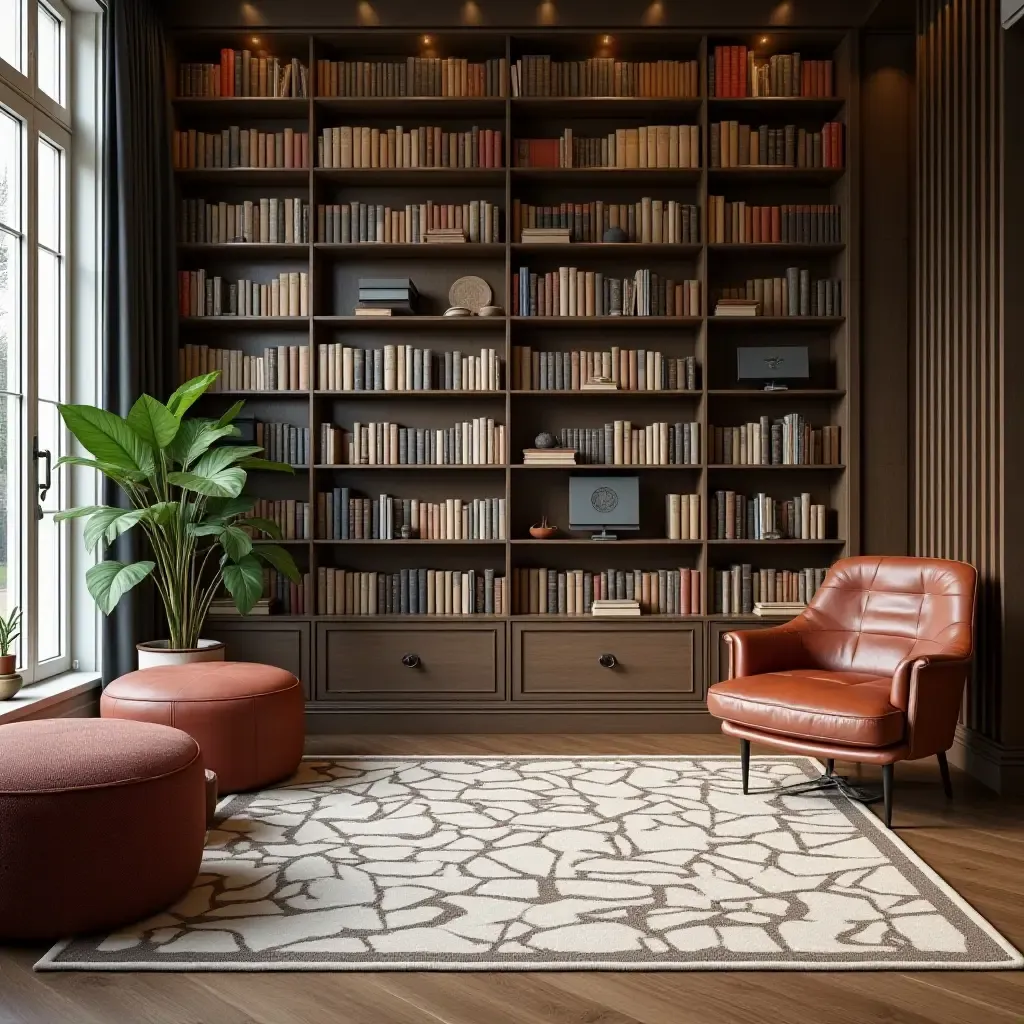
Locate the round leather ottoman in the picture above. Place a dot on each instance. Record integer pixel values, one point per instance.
(102, 824)
(248, 719)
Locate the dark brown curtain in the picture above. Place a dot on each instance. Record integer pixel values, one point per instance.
(141, 309)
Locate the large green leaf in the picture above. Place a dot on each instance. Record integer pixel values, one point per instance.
(108, 582)
(266, 464)
(151, 420)
(267, 526)
(76, 513)
(244, 582)
(235, 542)
(211, 529)
(184, 397)
(280, 560)
(161, 512)
(109, 438)
(116, 473)
(109, 523)
(228, 483)
(195, 438)
(220, 458)
(231, 413)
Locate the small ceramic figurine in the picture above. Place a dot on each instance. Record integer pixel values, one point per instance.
(546, 441)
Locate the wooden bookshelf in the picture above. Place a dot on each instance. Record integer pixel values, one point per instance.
(483, 667)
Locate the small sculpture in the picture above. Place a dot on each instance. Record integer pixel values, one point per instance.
(406, 532)
(614, 235)
(545, 440)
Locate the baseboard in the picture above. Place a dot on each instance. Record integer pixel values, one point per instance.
(997, 766)
(541, 720)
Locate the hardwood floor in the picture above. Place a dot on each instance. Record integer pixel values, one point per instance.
(976, 842)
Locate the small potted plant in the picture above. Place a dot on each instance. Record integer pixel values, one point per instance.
(184, 489)
(10, 630)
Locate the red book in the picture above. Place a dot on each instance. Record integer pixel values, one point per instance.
(836, 144)
(775, 225)
(183, 293)
(720, 71)
(496, 160)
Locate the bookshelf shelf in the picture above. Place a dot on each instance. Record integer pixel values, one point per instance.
(719, 400)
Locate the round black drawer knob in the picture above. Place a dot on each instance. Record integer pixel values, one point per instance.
(607, 661)
(411, 660)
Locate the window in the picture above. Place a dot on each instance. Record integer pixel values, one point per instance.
(36, 165)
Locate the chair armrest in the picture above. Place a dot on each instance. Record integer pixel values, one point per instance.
(929, 689)
(756, 651)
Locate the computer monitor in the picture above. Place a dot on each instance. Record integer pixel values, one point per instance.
(772, 363)
(597, 502)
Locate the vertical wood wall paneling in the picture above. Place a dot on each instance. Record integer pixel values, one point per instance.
(958, 472)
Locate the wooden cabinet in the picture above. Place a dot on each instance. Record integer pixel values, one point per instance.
(611, 661)
(718, 654)
(395, 662)
(274, 641)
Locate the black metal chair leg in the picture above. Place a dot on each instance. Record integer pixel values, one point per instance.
(745, 762)
(887, 773)
(830, 766)
(947, 782)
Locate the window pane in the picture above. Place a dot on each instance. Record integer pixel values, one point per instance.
(10, 169)
(52, 590)
(11, 464)
(49, 63)
(49, 326)
(10, 311)
(50, 196)
(11, 39)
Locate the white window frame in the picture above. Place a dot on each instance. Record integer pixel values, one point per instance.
(81, 245)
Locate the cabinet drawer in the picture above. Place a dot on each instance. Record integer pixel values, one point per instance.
(269, 641)
(605, 660)
(396, 662)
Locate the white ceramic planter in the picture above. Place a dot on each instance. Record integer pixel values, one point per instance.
(159, 653)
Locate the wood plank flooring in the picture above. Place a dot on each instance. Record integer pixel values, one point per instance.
(976, 843)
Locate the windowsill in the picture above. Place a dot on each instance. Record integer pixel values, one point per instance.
(37, 697)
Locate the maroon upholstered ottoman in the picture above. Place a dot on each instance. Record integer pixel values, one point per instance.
(248, 719)
(102, 824)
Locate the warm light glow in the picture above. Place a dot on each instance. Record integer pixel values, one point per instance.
(255, 40)
(426, 40)
(366, 14)
(782, 13)
(655, 14)
(546, 13)
(764, 40)
(471, 14)
(606, 40)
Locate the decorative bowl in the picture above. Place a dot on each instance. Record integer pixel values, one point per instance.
(458, 311)
(543, 532)
(490, 311)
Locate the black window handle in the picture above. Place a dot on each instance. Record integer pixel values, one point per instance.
(44, 487)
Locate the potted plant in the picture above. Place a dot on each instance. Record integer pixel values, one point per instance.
(184, 488)
(10, 630)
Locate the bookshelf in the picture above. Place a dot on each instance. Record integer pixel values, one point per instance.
(511, 670)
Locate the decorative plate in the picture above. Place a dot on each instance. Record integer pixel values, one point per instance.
(471, 292)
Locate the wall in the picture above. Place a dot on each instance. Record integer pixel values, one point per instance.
(966, 420)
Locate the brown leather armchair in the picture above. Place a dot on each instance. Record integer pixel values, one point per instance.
(873, 670)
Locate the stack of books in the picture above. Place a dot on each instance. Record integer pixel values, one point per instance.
(445, 235)
(549, 456)
(737, 307)
(546, 235)
(778, 608)
(599, 384)
(226, 606)
(386, 296)
(615, 609)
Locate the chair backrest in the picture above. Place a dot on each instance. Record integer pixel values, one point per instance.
(874, 611)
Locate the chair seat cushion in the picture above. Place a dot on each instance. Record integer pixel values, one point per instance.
(836, 707)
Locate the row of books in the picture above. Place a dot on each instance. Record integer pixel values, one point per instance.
(629, 369)
(267, 220)
(737, 589)
(239, 147)
(790, 441)
(280, 368)
(762, 517)
(737, 71)
(620, 443)
(476, 442)
(646, 220)
(570, 291)
(415, 76)
(243, 73)
(539, 75)
(282, 596)
(426, 146)
(796, 294)
(342, 515)
(573, 591)
(284, 442)
(478, 220)
(293, 517)
(411, 592)
(406, 368)
(202, 294)
(682, 516)
(733, 144)
(741, 222)
(645, 146)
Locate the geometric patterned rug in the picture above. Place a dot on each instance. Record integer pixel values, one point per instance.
(551, 863)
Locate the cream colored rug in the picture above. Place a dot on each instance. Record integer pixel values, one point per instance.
(551, 863)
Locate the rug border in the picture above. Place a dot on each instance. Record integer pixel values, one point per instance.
(1014, 961)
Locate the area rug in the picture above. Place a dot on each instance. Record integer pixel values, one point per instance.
(551, 863)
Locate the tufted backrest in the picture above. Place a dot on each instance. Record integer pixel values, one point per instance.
(874, 611)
